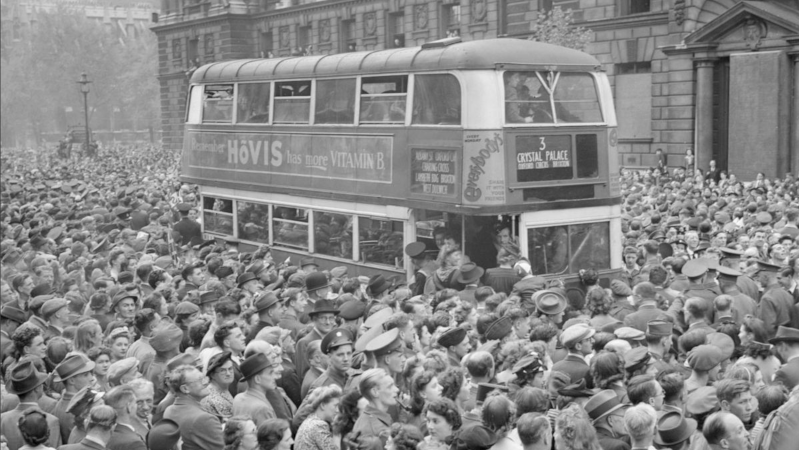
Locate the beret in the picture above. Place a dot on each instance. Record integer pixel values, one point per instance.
(451, 337)
(53, 305)
(723, 342)
(620, 288)
(764, 217)
(120, 368)
(186, 308)
(38, 302)
(499, 329)
(659, 328)
(352, 310)
(223, 272)
(41, 289)
(165, 337)
(704, 357)
(217, 361)
(702, 400)
(629, 333)
(575, 334)
(208, 296)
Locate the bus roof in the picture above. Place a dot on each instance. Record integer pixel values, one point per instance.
(471, 55)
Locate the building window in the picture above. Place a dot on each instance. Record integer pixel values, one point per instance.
(451, 20)
(177, 53)
(304, 38)
(349, 35)
(634, 102)
(628, 7)
(265, 44)
(208, 46)
(192, 50)
(397, 35)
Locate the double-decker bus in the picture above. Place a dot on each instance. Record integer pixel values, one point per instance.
(349, 157)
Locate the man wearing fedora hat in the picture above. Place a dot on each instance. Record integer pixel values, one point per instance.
(786, 342)
(76, 373)
(776, 303)
(675, 430)
(261, 371)
(469, 274)
(607, 415)
(26, 383)
(269, 309)
(323, 318)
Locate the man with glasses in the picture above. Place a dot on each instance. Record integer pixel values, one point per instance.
(578, 340)
(199, 429)
(323, 319)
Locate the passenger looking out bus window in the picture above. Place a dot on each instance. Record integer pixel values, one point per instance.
(253, 221)
(290, 227)
(333, 234)
(528, 98)
(380, 241)
(513, 112)
(218, 103)
(253, 103)
(383, 99)
(437, 100)
(335, 101)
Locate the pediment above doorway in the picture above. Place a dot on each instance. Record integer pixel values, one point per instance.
(749, 25)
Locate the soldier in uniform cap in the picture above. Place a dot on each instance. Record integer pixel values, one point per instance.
(338, 345)
(659, 341)
(697, 270)
(776, 303)
(742, 304)
(423, 266)
(388, 350)
(456, 341)
(188, 228)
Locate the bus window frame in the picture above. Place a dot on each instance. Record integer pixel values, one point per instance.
(356, 105)
(409, 89)
(309, 118)
(601, 100)
(412, 86)
(233, 213)
(271, 84)
(232, 119)
(197, 103)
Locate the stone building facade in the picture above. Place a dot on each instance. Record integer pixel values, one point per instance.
(718, 77)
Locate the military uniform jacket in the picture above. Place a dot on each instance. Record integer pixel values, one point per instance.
(9, 427)
(747, 286)
(574, 366)
(775, 308)
(373, 422)
(328, 378)
(290, 322)
(621, 309)
(199, 429)
(705, 292)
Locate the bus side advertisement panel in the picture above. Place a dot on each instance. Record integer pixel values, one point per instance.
(302, 158)
(484, 167)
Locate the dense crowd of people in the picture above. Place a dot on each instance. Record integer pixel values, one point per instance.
(121, 328)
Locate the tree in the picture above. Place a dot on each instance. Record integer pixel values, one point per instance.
(39, 73)
(556, 27)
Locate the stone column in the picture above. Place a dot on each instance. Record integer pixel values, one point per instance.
(704, 133)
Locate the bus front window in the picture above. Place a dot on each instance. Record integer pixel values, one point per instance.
(541, 97)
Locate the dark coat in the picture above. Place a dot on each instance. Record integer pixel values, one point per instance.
(645, 314)
(199, 429)
(9, 427)
(188, 229)
(85, 444)
(576, 367)
(787, 375)
(125, 438)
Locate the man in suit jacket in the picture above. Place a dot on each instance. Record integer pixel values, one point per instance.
(786, 343)
(645, 295)
(323, 318)
(99, 430)
(188, 228)
(125, 437)
(26, 383)
(261, 373)
(578, 340)
(199, 429)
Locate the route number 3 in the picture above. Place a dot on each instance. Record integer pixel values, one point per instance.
(542, 145)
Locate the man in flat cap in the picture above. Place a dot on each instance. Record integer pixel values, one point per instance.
(644, 295)
(776, 304)
(56, 312)
(659, 341)
(578, 340)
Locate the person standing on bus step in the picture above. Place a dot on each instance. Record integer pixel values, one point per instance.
(188, 228)
(424, 266)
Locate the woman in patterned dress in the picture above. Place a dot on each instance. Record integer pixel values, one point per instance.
(220, 371)
(315, 432)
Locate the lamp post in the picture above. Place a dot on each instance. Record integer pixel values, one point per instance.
(84, 82)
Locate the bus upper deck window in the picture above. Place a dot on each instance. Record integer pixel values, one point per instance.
(292, 101)
(437, 100)
(253, 103)
(383, 99)
(335, 101)
(218, 103)
(527, 99)
(551, 97)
